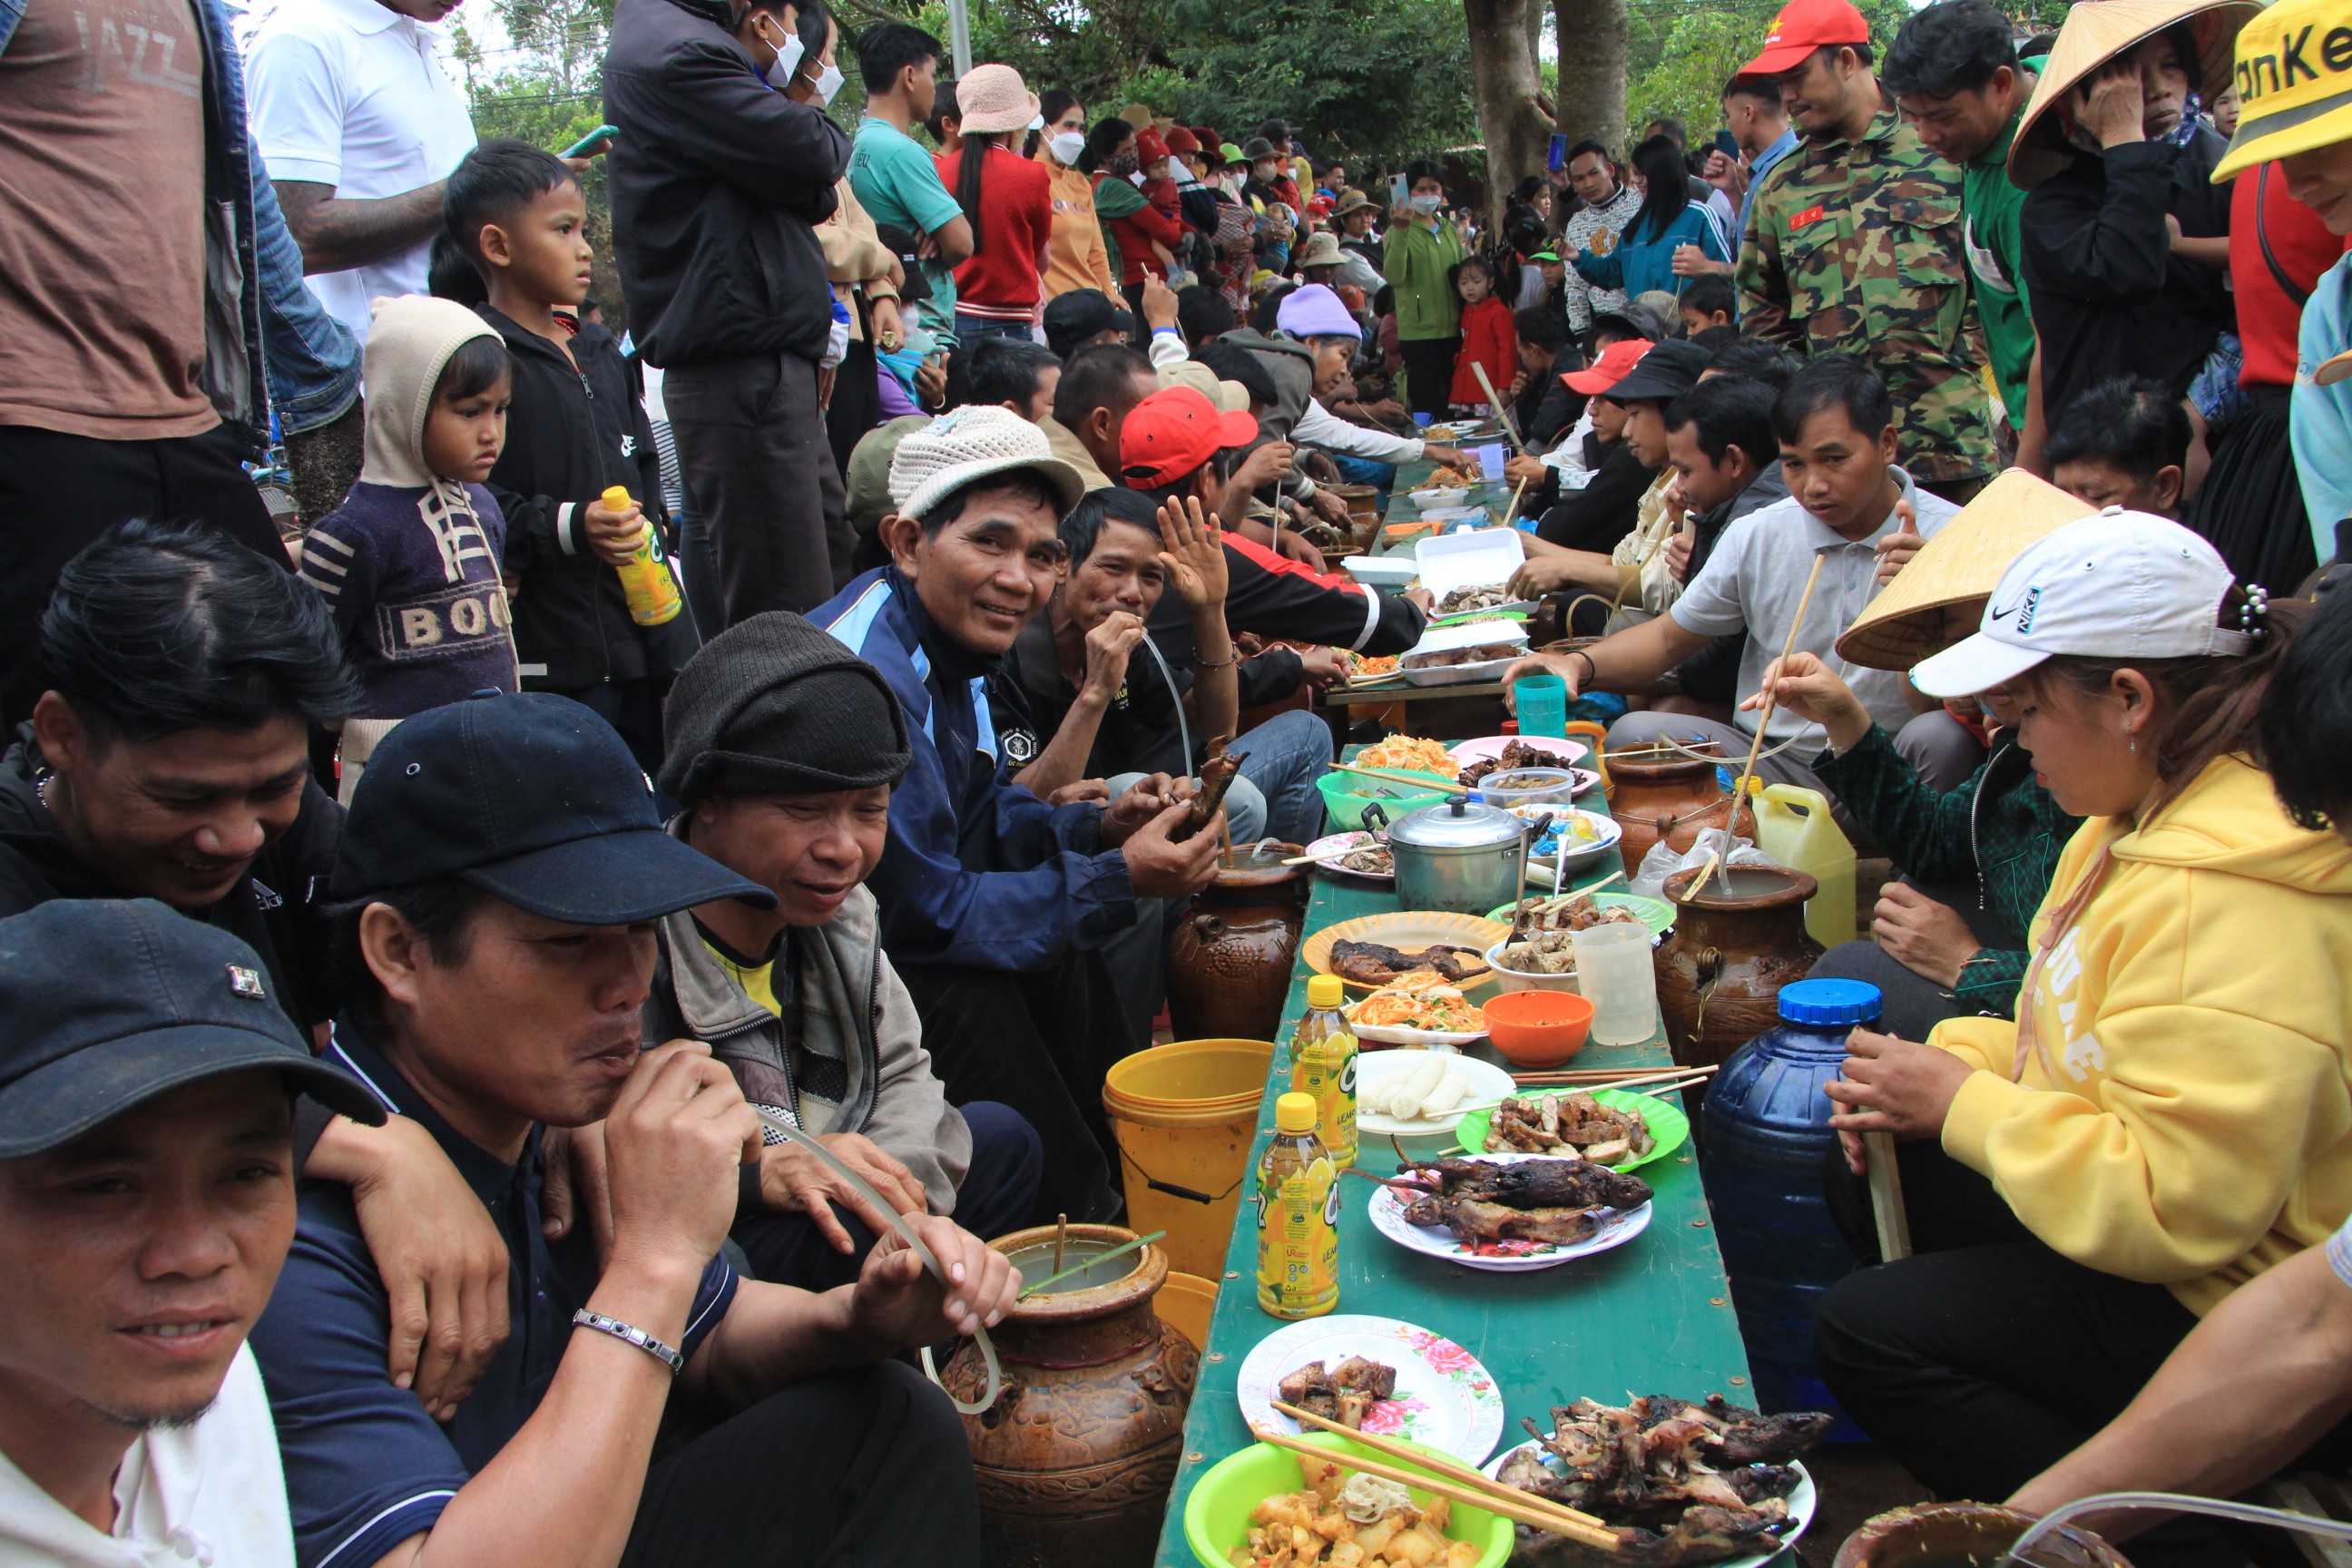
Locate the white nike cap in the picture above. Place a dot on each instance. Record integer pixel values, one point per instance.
(2122, 584)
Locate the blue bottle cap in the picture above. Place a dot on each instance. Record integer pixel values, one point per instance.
(1832, 1004)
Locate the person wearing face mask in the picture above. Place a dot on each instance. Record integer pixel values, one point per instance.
(1075, 256)
(1008, 201)
(2126, 236)
(719, 178)
(1111, 161)
(1422, 248)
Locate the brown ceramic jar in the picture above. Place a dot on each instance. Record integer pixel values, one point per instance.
(1720, 970)
(1663, 795)
(1926, 1534)
(1076, 1458)
(1229, 956)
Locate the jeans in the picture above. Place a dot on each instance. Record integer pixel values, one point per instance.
(971, 328)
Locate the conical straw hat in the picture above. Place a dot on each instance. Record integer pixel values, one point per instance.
(1965, 560)
(2096, 32)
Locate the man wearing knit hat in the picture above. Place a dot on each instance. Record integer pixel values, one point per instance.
(2293, 109)
(995, 906)
(782, 747)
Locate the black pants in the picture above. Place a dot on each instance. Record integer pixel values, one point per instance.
(857, 404)
(634, 709)
(753, 446)
(998, 1196)
(1041, 1045)
(857, 1467)
(1429, 374)
(58, 492)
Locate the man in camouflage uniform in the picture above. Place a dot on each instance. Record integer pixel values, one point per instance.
(1854, 246)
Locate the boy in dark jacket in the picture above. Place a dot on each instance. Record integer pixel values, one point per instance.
(576, 426)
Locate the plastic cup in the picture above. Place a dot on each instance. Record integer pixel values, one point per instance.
(1543, 705)
(1614, 970)
(1425, 420)
(1491, 459)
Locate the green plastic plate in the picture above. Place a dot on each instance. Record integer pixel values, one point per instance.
(1663, 1113)
(1655, 913)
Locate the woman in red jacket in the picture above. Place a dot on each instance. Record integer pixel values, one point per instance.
(1149, 233)
(1488, 338)
(1009, 201)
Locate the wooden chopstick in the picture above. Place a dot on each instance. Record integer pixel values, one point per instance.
(1570, 1080)
(1436, 1467)
(1523, 1507)
(1421, 784)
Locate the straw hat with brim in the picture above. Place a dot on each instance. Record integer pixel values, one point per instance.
(2293, 94)
(2097, 32)
(1961, 565)
(1322, 250)
(1350, 201)
(995, 98)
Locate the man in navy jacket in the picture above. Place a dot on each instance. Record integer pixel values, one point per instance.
(995, 904)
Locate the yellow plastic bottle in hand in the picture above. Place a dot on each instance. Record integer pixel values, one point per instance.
(1297, 1216)
(1323, 1066)
(645, 576)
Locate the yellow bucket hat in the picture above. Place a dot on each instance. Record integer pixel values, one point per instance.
(2294, 83)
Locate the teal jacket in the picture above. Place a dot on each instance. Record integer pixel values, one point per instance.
(1419, 265)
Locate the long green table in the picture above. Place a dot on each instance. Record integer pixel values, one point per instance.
(1652, 1316)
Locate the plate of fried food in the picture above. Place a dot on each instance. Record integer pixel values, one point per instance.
(1419, 1009)
(1363, 856)
(1375, 1374)
(1374, 951)
(1475, 758)
(1407, 754)
(1685, 1483)
(1612, 1127)
(1265, 1507)
(1575, 911)
(1510, 1214)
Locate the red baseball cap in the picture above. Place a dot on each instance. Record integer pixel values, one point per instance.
(1148, 146)
(1802, 26)
(1616, 362)
(1172, 432)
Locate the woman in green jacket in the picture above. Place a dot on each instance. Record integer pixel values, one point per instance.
(1418, 262)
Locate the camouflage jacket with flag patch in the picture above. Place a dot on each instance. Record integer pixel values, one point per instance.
(1857, 249)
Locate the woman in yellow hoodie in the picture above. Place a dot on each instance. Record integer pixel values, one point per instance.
(2169, 1114)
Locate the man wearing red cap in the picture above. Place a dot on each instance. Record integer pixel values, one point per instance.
(1854, 246)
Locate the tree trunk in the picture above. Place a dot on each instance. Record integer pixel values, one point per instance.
(1509, 86)
(1593, 44)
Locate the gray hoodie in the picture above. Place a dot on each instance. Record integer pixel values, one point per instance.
(854, 1012)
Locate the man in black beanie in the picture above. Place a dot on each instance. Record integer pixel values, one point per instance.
(782, 746)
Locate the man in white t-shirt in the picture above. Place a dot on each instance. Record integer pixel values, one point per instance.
(360, 127)
(146, 1205)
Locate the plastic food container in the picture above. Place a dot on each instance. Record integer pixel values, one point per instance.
(1530, 786)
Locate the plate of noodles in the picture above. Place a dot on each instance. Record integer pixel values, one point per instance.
(1413, 753)
(1423, 1009)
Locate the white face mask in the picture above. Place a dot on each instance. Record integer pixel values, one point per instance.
(1265, 172)
(1067, 144)
(1427, 205)
(787, 62)
(827, 83)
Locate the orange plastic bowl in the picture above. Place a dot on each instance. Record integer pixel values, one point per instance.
(1538, 1028)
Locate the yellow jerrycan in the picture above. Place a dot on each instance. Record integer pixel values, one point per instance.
(1794, 827)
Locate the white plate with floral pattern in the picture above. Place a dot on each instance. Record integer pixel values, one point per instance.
(1444, 1398)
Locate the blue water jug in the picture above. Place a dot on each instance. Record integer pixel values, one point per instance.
(1765, 1132)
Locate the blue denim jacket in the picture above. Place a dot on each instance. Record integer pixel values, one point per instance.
(306, 361)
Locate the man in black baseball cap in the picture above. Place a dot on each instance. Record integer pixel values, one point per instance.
(501, 871)
(1083, 316)
(147, 1081)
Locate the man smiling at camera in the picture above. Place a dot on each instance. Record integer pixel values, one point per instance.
(996, 906)
(501, 872)
(146, 1202)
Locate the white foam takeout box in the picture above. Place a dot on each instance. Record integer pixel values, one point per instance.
(1444, 640)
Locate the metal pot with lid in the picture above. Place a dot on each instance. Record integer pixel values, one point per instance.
(1464, 855)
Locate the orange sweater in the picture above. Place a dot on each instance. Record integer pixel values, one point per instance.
(1076, 257)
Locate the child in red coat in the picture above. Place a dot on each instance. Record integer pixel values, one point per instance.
(1489, 338)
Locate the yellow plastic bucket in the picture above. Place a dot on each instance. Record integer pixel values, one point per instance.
(1185, 1304)
(1185, 1115)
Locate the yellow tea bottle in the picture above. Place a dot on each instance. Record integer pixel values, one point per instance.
(1297, 1216)
(645, 576)
(1323, 1066)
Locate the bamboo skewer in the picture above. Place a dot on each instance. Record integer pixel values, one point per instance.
(1421, 784)
(1592, 1079)
(1763, 722)
(1436, 1467)
(1510, 426)
(1714, 857)
(1523, 1507)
